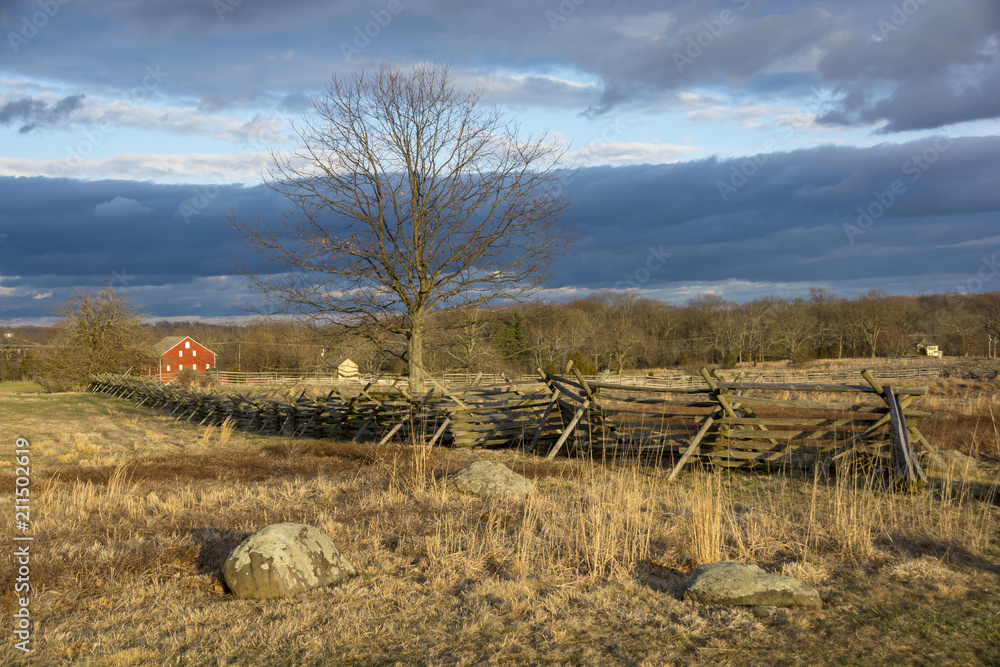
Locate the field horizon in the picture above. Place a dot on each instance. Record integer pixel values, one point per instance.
(134, 513)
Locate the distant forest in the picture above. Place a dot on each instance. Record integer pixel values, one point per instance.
(608, 330)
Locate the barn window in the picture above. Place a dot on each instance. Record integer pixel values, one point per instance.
(194, 353)
(180, 367)
(187, 345)
(168, 368)
(180, 353)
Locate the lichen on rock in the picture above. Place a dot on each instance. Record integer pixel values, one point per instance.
(489, 479)
(283, 560)
(731, 583)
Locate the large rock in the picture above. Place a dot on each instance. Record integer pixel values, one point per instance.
(736, 584)
(489, 479)
(282, 560)
(948, 462)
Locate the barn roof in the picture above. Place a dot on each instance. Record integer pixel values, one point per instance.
(336, 363)
(167, 344)
(170, 342)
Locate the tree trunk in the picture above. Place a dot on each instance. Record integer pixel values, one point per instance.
(415, 353)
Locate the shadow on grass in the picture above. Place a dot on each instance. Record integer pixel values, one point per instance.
(215, 547)
(948, 553)
(662, 579)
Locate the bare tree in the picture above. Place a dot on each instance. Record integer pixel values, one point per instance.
(411, 198)
(990, 313)
(100, 333)
(792, 328)
(620, 340)
(554, 332)
(469, 345)
(823, 306)
(658, 321)
(869, 317)
(278, 346)
(754, 318)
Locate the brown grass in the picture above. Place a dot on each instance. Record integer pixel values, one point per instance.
(966, 414)
(587, 570)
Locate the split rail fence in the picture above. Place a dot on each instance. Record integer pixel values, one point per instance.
(735, 423)
(667, 380)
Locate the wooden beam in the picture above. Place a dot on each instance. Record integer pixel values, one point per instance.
(590, 410)
(568, 430)
(543, 421)
(446, 392)
(654, 390)
(391, 433)
(795, 386)
(907, 466)
(438, 433)
(692, 447)
(720, 395)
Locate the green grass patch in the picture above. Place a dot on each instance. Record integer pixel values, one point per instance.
(21, 388)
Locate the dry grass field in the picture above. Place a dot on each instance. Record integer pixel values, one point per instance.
(133, 515)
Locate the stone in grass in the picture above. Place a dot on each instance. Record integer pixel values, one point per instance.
(736, 584)
(489, 479)
(283, 560)
(948, 462)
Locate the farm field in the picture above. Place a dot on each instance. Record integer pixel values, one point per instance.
(133, 515)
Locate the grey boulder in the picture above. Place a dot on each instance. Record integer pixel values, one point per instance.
(283, 560)
(731, 583)
(489, 479)
(948, 462)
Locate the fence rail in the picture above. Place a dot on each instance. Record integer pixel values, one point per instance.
(288, 377)
(678, 380)
(686, 381)
(744, 423)
(747, 421)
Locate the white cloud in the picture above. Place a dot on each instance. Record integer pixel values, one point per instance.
(697, 100)
(796, 63)
(121, 207)
(756, 117)
(193, 168)
(749, 116)
(521, 90)
(649, 26)
(257, 133)
(42, 295)
(630, 152)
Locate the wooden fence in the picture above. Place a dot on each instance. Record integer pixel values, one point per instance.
(681, 380)
(676, 379)
(743, 423)
(739, 423)
(470, 416)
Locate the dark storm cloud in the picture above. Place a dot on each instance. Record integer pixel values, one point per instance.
(925, 104)
(938, 61)
(772, 219)
(65, 223)
(786, 221)
(65, 234)
(31, 113)
(901, 64)
(908, 65)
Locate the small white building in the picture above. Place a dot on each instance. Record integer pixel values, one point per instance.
(929, 349)
(342, 367)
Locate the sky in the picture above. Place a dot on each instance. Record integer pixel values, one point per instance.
(736, 147)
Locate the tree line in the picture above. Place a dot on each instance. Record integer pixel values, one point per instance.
(621, 331)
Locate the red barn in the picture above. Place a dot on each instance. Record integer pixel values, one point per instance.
(177, 353)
